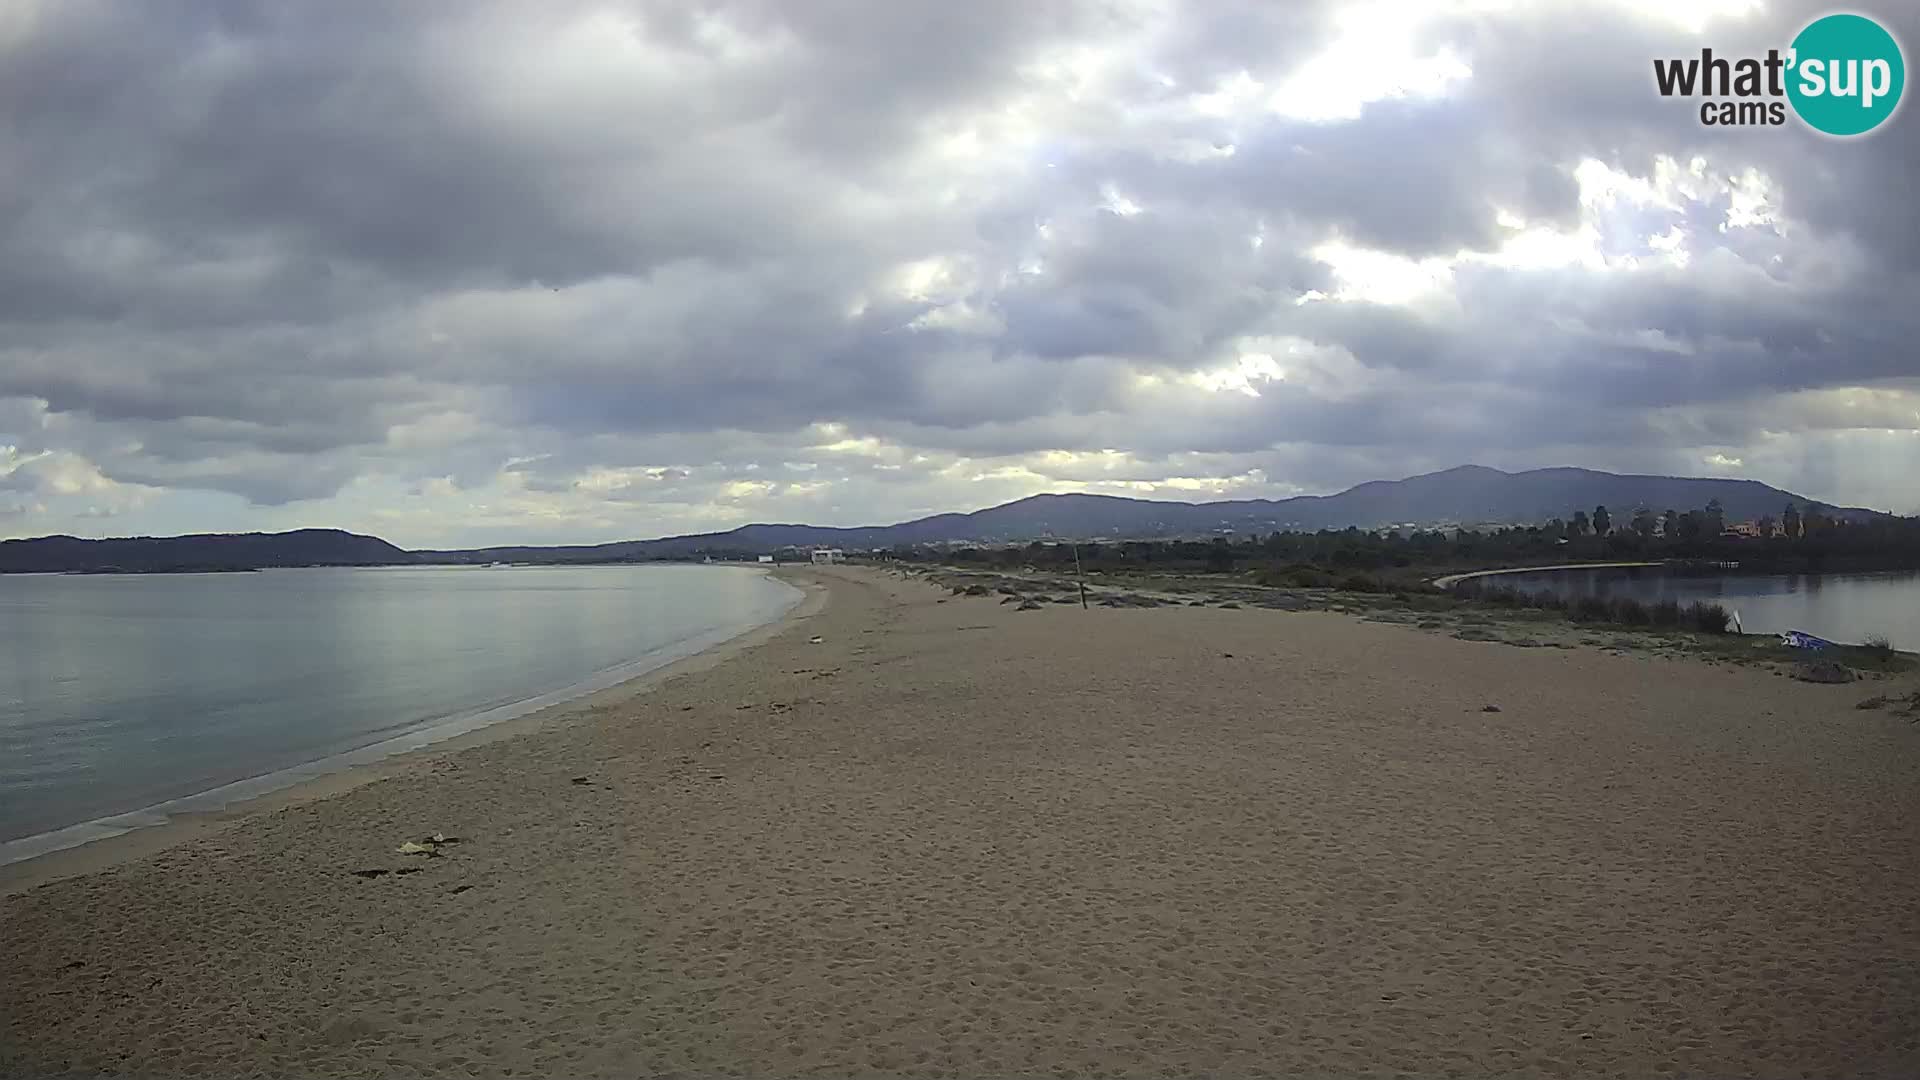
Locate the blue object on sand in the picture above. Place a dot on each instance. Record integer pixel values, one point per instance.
(1798, 639)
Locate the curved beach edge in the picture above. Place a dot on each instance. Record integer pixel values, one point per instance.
(112, 845)
(1451, 580)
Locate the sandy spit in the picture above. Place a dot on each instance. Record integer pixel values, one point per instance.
(956, 839)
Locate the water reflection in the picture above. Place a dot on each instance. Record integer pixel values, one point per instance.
(118, 692)
(1841, 607)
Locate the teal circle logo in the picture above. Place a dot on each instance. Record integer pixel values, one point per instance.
(1846, 74)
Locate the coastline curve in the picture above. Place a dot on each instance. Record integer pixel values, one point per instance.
(1448, 581)
(97, 844)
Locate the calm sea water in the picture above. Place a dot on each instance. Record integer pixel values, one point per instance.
(1847, 608)
(149, 694)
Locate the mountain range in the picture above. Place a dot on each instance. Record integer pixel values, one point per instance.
(202, 552)
(1467, 495)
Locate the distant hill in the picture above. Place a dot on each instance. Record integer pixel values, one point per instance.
(1469, 494)
(1473, 494)
(208, 551)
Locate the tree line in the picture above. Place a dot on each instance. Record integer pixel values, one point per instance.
(1800, 539)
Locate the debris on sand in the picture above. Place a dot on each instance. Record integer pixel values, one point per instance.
(1909, 704)
(1824, 671)
(1489, 708)
(372, 872)
(1028, 605)
(429, 846)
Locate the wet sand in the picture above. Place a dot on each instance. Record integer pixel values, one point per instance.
(953, 838)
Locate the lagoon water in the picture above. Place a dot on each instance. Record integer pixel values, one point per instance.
(1848, 608)
(139, 695)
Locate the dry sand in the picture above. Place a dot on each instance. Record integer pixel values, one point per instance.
(957, 839)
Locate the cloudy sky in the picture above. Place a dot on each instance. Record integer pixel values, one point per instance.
(565, 271)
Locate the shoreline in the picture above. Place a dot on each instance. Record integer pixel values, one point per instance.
(1449, 580)
(142, 838)
(928, 835)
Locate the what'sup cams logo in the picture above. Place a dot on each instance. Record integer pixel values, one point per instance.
(1842, 75)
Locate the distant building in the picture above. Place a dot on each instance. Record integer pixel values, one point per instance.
(829, 555)
(1745, 530)
(766, 558)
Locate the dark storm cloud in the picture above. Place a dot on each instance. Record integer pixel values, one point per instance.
(1411, 177)
(388, 136)
(272, 248)
(1169, 285)
(1741, 332)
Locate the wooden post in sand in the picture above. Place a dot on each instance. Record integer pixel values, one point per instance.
(1081, 574)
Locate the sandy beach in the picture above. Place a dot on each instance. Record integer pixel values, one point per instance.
(953, 838)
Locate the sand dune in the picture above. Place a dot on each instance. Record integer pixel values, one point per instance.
(956, 839)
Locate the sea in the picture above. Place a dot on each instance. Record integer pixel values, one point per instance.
(1849, 608)
(127, 698)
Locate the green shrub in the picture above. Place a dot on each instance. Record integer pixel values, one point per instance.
(1620, 610)
(1588, 609)
(1297, 576)
(1708, 618)
(1359, 583)
(1308, 577)
(1630, 612)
